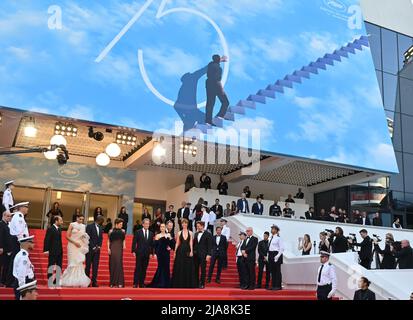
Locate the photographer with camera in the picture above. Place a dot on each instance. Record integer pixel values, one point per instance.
(339, 242)
(366, 249)
(388, 260)
(404, 255)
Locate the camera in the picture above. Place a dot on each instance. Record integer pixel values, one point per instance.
(352, 237)
(376, 238)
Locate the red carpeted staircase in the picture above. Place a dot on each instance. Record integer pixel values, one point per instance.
(226, 290)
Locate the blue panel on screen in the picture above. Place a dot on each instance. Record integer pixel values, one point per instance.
(300, 71)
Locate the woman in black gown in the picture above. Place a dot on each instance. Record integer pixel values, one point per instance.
(183, 275)
(162, 244)
(116, 245)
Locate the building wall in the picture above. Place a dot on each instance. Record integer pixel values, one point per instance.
(155, 182)
(396, 85)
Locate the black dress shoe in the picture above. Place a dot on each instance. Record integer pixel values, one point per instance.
(135, 286)
(217, 281)
(258, 287)
(244, 288)
(95, 285)
(251, 288)
(209, 280)
(201, 286)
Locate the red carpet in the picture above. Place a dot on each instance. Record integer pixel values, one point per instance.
(224, 291)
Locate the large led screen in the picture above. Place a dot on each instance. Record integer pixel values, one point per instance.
(298, 72)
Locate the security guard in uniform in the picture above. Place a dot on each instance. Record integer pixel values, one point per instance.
(326, 278)
(8, 201)
(28, 291)
(18, 230)
(23, 270)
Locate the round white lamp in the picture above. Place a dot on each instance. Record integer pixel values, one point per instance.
(58, 140)
(102, 159)
(113, 150)
(50, 155)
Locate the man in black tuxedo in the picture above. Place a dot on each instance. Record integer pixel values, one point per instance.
(170, 215)
(364, 220)
(142, 249)
(377, 220)
(95, 232)
(263, 261)
(218, 209)
(202, 251)
(5, 248)
(310, 215)
(275, 210)
(183, 213)
(366, 249)
(219, 252)
(248, 252)
(53, 248)
(242, 204)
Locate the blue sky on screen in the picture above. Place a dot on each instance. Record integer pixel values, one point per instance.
(335, 116)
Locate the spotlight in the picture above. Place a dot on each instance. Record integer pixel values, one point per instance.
(126, 138)
(187, 146)
(30, 130)
(98, 136)
(65, 129)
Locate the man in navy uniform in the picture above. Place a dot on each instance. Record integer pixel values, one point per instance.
(8, 201)
(275, 258)
(326, 278)
(23, 270)
(28, 291)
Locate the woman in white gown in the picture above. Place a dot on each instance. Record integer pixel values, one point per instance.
(77, 247)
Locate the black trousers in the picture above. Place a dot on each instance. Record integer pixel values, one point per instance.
(200, 263)
(261, 264)
(275, 269)
(241, 272)
(54, 260)
(225, 260)
(250, 272)
(214, 258)
(15, 247)
(211, 229)
(323, 291)
(141, 266)
(214, 91)
(366, 263)
(4, 267)
(92, 260)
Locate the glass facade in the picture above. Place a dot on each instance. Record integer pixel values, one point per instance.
(396, 84)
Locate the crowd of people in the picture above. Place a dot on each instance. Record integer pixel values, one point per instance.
(193, 236)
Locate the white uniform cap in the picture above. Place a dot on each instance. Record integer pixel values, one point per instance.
(20, 204)
(26, 239)
(9, 182)
(28, 286)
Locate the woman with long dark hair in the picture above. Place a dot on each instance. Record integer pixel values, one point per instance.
(53, 212)
(77, 212)
(98, 212)
(146, 215)
(189, 182)
(125, 217)
(162, 244)
(116, 245)
(183, 275)
(305, 245)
